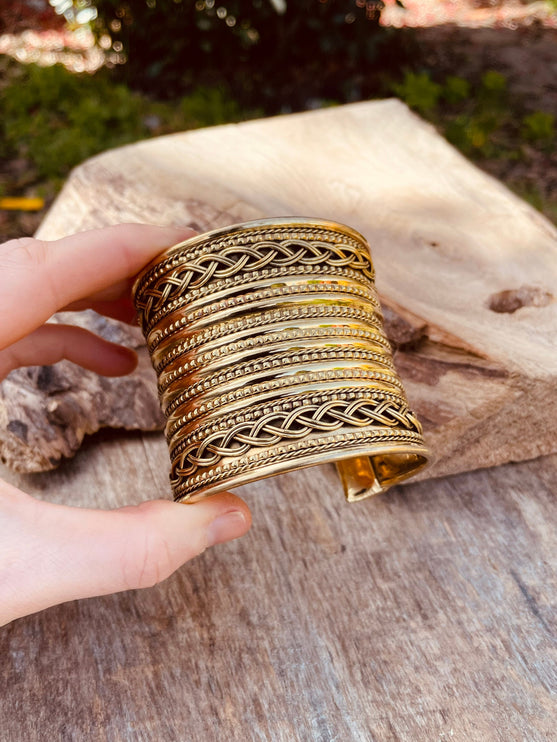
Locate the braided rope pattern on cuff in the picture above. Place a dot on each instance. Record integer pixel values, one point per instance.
(268, 342)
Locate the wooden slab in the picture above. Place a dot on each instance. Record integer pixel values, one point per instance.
(468, 270)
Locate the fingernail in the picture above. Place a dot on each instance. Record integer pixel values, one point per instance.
(226, 527)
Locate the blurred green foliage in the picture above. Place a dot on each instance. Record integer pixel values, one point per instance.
(456, 89)
(493, 83)
(539, 127)
(419, 91)
(56, 119)
(476, 117)
(278, 60)
(194, 63)
(210, 107)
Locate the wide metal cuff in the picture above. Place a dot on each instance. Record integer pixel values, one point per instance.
(267, 339)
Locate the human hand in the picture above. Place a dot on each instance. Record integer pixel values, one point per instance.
(53, 553)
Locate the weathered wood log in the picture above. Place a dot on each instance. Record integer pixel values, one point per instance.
(466, 270)
(47, 410)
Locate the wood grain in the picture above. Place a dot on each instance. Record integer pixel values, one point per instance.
(463, 262)
(426, 614)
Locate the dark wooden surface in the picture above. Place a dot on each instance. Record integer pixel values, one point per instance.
(426, 614)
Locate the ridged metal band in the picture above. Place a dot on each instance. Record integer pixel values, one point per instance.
(267, 339)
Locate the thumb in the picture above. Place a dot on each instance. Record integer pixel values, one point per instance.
(53, 553)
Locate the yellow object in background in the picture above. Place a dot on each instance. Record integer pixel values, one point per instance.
(22, 204)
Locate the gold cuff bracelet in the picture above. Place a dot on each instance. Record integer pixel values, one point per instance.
(267, 339)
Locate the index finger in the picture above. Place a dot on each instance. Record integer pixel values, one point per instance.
(37, 278)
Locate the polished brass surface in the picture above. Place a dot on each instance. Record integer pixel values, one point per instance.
(267, 339)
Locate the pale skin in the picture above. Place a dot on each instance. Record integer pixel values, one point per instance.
(52, 553)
